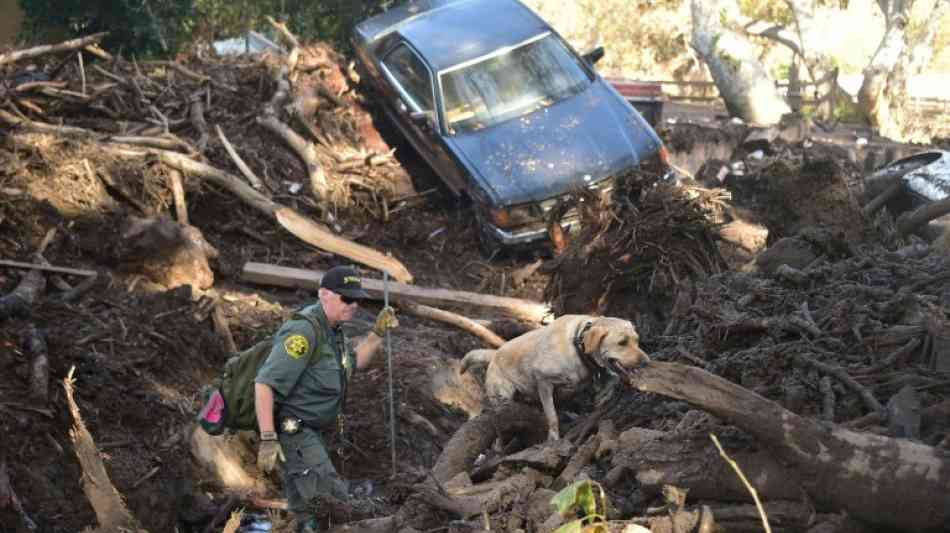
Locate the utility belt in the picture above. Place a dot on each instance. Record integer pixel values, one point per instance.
(289, 425)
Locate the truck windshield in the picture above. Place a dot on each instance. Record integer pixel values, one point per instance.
(510, 83)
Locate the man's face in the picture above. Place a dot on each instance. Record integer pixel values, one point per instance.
(337, 307)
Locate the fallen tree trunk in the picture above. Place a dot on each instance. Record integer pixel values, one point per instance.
(880, 480)
(658, 459)
(400, 293)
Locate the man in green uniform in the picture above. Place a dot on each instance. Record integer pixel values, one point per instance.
(301, 387)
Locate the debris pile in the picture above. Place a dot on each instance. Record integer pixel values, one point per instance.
(633, 252)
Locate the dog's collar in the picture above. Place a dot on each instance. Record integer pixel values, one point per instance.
(579, 341)
(595, 370)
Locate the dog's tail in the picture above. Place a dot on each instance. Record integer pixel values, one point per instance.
(477, 358)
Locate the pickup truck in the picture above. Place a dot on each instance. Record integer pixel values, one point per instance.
(646, 97)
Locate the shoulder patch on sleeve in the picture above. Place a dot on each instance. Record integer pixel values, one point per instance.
(297, 346)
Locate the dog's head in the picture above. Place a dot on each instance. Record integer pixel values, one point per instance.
(614, 344)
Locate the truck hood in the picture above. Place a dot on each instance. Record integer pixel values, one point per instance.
(575, 142)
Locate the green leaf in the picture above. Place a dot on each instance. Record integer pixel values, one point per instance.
(575, 526)
(585, 498)
(565, 501)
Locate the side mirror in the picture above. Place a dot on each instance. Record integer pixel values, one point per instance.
(593, 56)
(425, 119)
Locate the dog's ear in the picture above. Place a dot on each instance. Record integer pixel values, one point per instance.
(593, 339)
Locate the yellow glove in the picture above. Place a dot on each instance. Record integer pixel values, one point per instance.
(268, 454)
(386, 319)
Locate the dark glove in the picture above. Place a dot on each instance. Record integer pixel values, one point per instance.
(268, 454)
(386, 319)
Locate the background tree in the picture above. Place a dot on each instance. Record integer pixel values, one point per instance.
(164, 27)
(745, 86)
(904, 51)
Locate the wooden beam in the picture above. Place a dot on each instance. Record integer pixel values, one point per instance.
(47, 268)
(266, 274)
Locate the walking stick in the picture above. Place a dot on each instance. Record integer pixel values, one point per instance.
(389, 366)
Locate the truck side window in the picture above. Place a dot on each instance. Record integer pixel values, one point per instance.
(412, 75)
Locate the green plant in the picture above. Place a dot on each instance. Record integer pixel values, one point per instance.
(584, 501)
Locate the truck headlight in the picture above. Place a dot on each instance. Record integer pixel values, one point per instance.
(510, 217)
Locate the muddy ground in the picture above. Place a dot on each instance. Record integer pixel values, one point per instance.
(140, 352)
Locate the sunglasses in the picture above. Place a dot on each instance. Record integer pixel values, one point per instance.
(347, 300)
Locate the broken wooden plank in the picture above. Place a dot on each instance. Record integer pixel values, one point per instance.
(266, 274)
(47, 268)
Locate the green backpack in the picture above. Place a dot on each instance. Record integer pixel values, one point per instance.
(229, 401)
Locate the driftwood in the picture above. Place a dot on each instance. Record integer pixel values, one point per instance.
(400, 293)
(106, 501)
(459, 321)
(879, 480)
(65, 46)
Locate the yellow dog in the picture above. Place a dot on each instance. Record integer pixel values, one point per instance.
(558, 357)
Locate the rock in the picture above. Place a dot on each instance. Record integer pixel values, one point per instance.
(790, 251)
(903, 414)
(748, 236)
(166, 252)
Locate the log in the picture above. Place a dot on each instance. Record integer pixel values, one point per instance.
(694, 464)
(515, 488)
(908, 222)
(39, 378)
(880, 480)
(459, 321)
(399, 293)
(65, 46)
(20, 301)
(881, 200)
(477, 434)
(106, 501)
